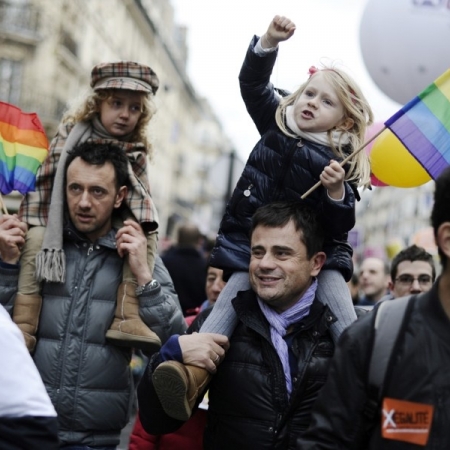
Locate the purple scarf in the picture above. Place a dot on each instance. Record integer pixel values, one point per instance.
(279, 323)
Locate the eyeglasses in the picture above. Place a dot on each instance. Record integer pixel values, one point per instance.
(408, 280)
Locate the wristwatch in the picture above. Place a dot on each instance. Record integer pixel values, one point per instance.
(150, 286)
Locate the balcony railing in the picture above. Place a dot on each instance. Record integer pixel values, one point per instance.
(19, 21)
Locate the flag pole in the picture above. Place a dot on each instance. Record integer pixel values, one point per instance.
(5, 211)
(345, 161)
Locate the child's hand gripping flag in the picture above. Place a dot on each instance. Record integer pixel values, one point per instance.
(23, 148)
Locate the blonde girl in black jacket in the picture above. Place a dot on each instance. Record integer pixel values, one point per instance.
(303, 136)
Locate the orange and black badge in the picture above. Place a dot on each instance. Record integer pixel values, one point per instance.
(406, 421)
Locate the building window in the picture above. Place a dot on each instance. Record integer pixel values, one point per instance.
(68, 42)
(19, 17)
(10, 80)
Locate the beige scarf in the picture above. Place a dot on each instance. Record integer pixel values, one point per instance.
(51, 261)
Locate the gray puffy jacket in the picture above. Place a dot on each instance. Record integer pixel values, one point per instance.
(89, 381)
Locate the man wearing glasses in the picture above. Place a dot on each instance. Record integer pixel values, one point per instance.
(412, 272)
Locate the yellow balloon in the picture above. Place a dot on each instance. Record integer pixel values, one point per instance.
(393, 164)
(393, 247)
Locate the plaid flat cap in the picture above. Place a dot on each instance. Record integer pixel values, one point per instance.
(124, 75)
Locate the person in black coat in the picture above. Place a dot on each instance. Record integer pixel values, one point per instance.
(187, 267)
(277, 359)
(412, 409)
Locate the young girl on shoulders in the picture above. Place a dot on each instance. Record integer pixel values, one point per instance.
(303, 137)
(117, 110)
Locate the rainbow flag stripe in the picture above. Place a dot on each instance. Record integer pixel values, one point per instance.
(23, 148)
(423, 126)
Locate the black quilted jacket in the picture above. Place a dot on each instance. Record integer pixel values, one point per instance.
(417, 374)
(279, 168)
(249, 406)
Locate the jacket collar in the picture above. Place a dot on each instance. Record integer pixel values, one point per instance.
(72, 234)
(250, 314)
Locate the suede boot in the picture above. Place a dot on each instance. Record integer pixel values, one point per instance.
(27, 308)
(178, 386)
(127, 329)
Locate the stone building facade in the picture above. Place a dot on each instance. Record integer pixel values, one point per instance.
(47, 50)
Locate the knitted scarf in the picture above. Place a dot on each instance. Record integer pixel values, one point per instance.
(51, 261)
(279, 323)
(338, 137)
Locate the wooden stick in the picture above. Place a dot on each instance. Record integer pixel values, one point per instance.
(345, 161)
(4, 209)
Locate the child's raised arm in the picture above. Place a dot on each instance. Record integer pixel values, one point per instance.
(280, 29)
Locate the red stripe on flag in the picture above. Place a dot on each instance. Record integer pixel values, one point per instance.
(14, 116)
(33, 138)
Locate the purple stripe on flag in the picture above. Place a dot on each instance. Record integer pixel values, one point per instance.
(419, 146)
(5, 179)
(5, 187)
(20, 179)
(24, 180)
(23, 188)
(431, 127)
(402, 111)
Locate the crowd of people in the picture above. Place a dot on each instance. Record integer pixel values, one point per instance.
(267, 340)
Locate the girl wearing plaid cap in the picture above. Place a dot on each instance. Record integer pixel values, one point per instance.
(117, 110)
(302, 137)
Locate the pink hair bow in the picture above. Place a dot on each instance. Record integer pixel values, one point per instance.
(312, 70)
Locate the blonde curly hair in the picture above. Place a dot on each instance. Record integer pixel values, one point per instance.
(87, 108)
(356, 108)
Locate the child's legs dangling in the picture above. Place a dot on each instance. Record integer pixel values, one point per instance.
(28, 301)
(152, 248)
(223, 319)
(333, 291)
(177, 385)
(127, 328)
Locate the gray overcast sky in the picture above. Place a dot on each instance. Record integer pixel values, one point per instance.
(219, 33)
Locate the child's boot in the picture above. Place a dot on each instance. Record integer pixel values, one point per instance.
(27, 308)
(127, 328)
(178, 386)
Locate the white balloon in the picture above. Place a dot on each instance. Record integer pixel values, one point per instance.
(405, 44)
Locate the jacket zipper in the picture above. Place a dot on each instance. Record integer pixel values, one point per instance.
(299, 387)
(72, 305)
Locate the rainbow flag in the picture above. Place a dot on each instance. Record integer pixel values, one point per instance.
(423, 126)
(23, 148)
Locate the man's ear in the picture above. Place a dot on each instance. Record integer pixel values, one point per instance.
(317, 261)
(121, 194)
(443, 238)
